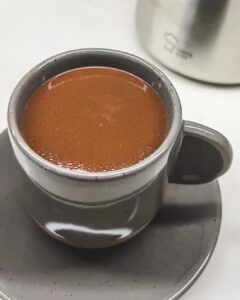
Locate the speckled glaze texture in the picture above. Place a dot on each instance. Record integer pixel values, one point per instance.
(161, 263)
(190, 154)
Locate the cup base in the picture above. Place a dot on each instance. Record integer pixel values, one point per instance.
(95, 226)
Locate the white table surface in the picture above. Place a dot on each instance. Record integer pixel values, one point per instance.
(32, 30)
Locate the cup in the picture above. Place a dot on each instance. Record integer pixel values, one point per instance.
(101, 209)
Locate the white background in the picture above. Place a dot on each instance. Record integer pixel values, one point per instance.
(32, 30)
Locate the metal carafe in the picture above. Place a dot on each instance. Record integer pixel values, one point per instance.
(197, 38)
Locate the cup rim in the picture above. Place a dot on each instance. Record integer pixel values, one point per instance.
(173, 132)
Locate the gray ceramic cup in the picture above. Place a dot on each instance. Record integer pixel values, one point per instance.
(106, 208)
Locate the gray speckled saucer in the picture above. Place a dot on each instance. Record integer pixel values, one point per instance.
(161, 263)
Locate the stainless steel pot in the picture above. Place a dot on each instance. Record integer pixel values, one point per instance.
(197, 38)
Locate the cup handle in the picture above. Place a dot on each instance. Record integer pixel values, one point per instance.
(204, 155)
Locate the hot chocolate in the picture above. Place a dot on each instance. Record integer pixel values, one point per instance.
(94, 119)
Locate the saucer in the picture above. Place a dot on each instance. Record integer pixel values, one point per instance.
(160, 263)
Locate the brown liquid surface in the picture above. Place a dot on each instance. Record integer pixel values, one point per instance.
(94, 119)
